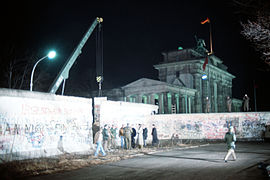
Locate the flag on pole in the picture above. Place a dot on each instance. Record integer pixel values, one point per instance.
(205, 63)
(205, 21)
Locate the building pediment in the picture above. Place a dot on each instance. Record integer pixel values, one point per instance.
(144, 82)
(145, 85)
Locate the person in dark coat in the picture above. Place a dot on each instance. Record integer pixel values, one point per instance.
(155, 140)
(230, 139)
(133, 134)
(145, 131)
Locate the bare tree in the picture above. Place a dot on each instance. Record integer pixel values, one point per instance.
(256, 24)
(250, 8)
(258, 32)
(16, 71)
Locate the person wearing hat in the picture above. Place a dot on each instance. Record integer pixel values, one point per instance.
(230, 139)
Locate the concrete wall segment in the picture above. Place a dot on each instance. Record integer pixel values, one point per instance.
(248, 126)
(34, 124)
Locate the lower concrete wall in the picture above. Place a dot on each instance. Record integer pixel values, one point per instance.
(213, 126)
(34, 124)
(200, 126)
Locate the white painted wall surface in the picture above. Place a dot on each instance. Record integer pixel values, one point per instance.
(247, 125)
(118, 113)
(32, 123)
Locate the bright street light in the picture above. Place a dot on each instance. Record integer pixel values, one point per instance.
(50, 55)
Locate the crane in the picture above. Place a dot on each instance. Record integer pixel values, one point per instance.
(64, 73)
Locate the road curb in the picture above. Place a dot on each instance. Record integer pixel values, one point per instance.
(182, 148)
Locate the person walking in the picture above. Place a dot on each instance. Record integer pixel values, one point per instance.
(230, 140)
(127, 134)
(140, 136)
(145, 131)
(98, 140)
(246, 103)
(121, 135)
(229, 104)
(155, 140)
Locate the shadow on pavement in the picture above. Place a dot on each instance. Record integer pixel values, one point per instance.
(179, 157)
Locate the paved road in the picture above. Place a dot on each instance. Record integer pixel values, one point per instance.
(197, 163)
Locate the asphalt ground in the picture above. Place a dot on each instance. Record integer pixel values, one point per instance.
(198, 162)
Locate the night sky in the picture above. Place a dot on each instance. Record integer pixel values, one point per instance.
(135, 34)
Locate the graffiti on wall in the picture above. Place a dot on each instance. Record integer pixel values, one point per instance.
(185, 126)
(251, 128)
(210, 126)
(32, 124)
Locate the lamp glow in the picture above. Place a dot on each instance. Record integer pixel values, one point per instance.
(51, 54)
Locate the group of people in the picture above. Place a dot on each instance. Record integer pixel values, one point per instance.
(208, 105)
(228, 104)
(105, 139)
(130, 137)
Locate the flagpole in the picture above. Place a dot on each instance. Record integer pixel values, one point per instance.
(210, 35)
(206, 60)
(209, 88)
(211, 52)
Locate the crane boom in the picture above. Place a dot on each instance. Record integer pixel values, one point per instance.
(63, 74)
